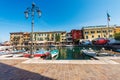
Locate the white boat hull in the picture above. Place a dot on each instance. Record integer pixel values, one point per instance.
(53, 55)
(89, 53)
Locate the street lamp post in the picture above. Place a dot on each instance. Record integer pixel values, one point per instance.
(31, 11)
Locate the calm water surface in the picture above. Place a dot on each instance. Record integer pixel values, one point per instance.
(72, 53)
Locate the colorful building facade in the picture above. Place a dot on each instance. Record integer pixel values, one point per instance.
(23, 38)
(61, 37)
(92, 32)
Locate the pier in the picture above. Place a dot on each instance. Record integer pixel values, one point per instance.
(36, 69)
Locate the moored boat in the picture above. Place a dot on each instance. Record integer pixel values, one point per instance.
(89, 52)
(54, 53)
(39, 53)
(118, 50)
(69, 45)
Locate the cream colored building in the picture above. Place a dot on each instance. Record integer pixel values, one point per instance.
(92, 32)
(49, 37)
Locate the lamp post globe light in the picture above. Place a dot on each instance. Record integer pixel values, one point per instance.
(30, 12)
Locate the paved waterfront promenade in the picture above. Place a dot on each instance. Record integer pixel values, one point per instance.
(36, 69)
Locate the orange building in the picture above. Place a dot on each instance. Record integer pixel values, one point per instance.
(26, 38)
(19, 38)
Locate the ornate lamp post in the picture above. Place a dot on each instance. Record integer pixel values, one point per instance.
(31, 11)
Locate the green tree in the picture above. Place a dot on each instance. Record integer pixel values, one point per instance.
(117, 36)
(57, 37)
(52, 37)
(47, 37)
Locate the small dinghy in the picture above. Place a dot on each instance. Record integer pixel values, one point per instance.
(54, 53)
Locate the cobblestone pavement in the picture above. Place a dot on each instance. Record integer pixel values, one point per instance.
(14, 69)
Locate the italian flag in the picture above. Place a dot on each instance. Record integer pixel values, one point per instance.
(108, 17)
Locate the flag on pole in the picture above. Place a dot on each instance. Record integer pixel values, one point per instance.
(108, 17)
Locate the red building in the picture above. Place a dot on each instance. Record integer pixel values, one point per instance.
(76, 35)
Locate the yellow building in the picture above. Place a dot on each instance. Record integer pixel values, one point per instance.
(117, 29)
(16, 38)
(19, 38)
(63, 37)
(26, 38)
(92, 32)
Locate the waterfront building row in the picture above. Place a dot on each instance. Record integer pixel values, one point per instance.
(62, 37)
(39, 38)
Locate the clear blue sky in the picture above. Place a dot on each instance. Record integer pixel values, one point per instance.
(56, 15)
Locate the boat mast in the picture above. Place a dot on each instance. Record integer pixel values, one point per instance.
(108, 19)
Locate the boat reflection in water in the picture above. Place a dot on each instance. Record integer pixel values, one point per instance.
(72, 53)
